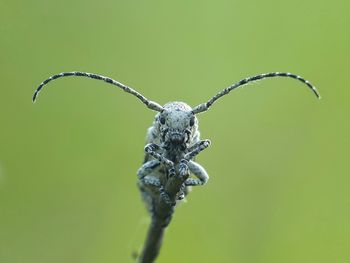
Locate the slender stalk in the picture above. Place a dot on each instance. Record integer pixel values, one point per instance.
(161, 218)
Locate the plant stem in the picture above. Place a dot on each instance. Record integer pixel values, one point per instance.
(161, 218)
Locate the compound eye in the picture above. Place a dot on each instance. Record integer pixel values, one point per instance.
(162, 120)
(192, 121)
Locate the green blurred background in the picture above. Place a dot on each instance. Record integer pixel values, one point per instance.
(279, 187)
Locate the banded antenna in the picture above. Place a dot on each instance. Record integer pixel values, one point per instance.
(205, 106)
(150, 104)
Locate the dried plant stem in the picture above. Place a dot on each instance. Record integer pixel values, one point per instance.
(161, 218)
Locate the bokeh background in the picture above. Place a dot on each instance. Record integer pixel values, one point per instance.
(279, 160)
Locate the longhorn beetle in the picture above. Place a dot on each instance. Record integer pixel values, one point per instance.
(173, 140)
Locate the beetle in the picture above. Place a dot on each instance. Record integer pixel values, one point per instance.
(173, 141)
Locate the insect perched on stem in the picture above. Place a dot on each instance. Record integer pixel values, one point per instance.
(173, 141)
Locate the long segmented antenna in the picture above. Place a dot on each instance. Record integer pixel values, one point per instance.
(150, 104)
(205, 106)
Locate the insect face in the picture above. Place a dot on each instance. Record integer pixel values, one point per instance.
(176, 124)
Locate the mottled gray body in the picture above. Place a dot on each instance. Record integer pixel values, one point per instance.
(172, 143)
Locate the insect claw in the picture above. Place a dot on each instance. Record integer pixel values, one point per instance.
(206, 143)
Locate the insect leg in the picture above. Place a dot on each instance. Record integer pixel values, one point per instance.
(151, 149)
(147, 168)
(144, 174)
(199, 172)
(196, 149)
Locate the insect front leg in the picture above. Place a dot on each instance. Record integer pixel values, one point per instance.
(193, 151)
(196, 149)
(152, 149)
